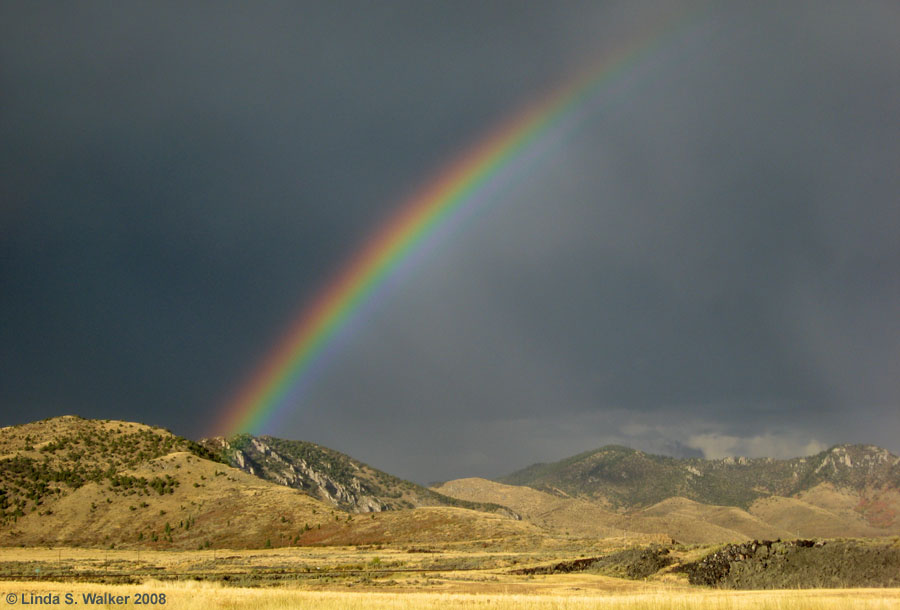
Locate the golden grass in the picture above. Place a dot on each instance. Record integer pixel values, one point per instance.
(191, 596)
(489, 589)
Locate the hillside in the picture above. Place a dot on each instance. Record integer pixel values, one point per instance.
(823, 512)
(429, 525)
(44, 461)
(567, 516)
(89, 483)
(626, 478)
(84, 482)
(672, 519)
(331, 476)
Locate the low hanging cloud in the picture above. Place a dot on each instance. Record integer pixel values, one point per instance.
(778, 446)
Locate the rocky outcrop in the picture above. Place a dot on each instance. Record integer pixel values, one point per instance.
(259, 458)
(331, 476)
(798, 564)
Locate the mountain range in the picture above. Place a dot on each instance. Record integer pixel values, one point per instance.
(69, 480)
(848, 490)
(629, 478)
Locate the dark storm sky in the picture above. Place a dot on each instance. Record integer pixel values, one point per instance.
(708, 265)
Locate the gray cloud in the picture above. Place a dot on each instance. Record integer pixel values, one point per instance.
(706, 262)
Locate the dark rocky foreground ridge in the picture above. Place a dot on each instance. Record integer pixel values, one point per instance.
(759, 564)
(629, 478)
(331, 476)
(798, 564)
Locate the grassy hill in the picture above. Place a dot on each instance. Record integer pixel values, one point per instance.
(74, 481)
(674, 518)
(115, 484)
(44, 461)
(331, 476)
(561, 515)
(823, 512)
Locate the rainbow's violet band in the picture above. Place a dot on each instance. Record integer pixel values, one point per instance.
(273, 387)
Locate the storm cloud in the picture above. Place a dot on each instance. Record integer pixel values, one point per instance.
(705, 263)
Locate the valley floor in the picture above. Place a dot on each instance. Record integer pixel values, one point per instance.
(370, 577)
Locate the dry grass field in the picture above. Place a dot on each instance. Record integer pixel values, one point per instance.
(355, 577)
(564, 596)
(407, 567)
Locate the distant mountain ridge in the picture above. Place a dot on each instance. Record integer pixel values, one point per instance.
(628, 478)
(331, 476)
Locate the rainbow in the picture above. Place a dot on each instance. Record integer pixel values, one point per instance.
(451, 195)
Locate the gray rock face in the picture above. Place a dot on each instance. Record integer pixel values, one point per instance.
(331, 476)
(260, 459)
